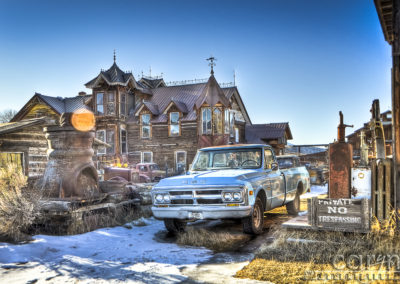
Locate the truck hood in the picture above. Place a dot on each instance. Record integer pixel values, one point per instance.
(216, 177)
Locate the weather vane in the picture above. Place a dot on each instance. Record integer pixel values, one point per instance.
(115, 57)
(212, 63)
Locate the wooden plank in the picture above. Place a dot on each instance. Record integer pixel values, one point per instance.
(380, 189)
(373, 187)
(388, 187)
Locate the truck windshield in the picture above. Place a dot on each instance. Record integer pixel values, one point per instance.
(227, 159)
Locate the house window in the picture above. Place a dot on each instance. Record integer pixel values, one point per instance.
(180, 162)
(236, 135)
(101, 135)
(100, 103)
(174, 124)
(123, 105)
(147, 157)
(226, 121)
(232, 123)
(110, 104)
(206, 120)
(110, 140)
(145, 125)
(124, 146)
(217, 121)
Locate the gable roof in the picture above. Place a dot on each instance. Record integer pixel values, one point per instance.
(233, 92)
(10, 127)
(113, 76)
(185, 97)
(152, 83)
(163, 96)
(212, 94)
(261, 133)
(58, 104)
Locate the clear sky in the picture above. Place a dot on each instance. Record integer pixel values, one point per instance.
(299, 61)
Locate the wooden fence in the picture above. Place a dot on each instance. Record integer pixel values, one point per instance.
(381, 188)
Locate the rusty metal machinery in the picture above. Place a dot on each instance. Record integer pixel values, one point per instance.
(340, 164)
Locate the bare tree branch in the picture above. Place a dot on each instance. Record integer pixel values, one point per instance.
(7, 115)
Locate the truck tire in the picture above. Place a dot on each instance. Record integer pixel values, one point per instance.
(254, 224)
(174, 225)
(293, 207)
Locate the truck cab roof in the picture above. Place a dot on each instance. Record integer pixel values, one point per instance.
(235, 146)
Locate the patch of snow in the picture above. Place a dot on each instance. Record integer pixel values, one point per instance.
(315, 191)
(109, 254)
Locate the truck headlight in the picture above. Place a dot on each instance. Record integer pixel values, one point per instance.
(167, 199)
(227, 196)
(237, 196)
(159, 198)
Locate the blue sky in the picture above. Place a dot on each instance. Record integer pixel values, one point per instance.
(295, 61)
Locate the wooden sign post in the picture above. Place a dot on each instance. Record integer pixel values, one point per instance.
(343, 214)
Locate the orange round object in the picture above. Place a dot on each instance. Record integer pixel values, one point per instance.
(83, 120)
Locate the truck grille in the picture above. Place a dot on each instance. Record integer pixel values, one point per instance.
(200, 196)
(182, 201)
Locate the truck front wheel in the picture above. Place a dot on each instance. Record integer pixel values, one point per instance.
(293, 207)
(254, 224)
(174, 225)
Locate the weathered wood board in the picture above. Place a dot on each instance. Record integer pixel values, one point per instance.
(343, 214)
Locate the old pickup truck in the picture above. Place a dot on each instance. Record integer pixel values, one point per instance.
(229, 182)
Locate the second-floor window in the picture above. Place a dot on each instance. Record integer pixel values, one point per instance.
(123, 105)
(226, 120)
(110, 104)
(217, 121)
(100, 103)
(206, 120)
(174, 124)
(145, 125)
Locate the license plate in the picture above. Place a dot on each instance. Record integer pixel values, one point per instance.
(195, 215)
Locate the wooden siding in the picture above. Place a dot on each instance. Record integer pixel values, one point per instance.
(32, 143)
(161, 145)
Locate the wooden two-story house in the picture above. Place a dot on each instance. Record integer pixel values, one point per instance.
(142, 120)
(148, 121)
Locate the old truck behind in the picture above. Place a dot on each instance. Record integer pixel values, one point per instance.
(229, 182)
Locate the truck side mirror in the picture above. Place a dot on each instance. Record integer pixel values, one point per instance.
(274, 166)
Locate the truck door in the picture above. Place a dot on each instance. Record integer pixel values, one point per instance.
(276, 179)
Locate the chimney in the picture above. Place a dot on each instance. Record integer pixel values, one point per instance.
(82, 93)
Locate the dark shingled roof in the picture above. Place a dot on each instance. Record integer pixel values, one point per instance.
(152, 83)
(58, 104)
(181, 106)
(186, 98)
(184, 94)
(113, 76)
(61, 105)
(261, 133)
(212, 94)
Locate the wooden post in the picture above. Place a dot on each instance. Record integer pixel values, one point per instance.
(396, 103)
(373, 187)
(388, 187)
(381, 180)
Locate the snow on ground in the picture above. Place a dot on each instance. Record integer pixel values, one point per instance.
(110, 254)
(315, 191)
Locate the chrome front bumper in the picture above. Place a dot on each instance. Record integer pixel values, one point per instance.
(201, 212)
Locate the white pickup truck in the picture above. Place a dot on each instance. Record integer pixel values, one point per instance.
(229, 182)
